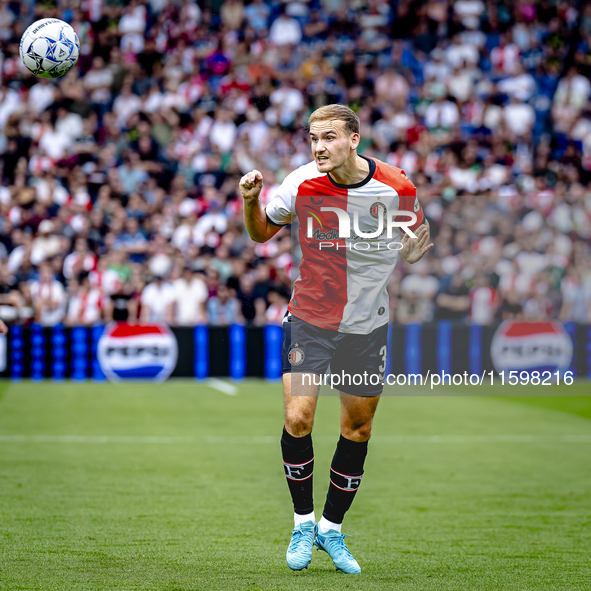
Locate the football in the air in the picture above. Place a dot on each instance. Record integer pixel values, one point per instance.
(49, 48)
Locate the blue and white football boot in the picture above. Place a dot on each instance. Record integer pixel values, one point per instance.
(333, 543)
(299, 551)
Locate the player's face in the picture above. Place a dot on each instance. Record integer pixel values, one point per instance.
(331, 144)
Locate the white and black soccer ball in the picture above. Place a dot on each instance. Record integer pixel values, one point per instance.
(49, 48)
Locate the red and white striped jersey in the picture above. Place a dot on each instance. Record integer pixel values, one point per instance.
(342, 283)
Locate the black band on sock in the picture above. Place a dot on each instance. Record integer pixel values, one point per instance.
(298, 463)
(346, 471)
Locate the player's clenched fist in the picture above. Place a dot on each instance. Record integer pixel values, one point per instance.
(251, 184)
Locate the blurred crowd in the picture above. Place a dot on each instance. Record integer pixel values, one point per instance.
(119, 184)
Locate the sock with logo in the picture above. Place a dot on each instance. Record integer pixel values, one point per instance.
(346, 471)
(298, 462)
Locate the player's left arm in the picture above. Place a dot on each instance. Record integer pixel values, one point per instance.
(413, 249)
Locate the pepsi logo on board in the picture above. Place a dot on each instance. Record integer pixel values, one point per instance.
(135, 352)
(531, 346)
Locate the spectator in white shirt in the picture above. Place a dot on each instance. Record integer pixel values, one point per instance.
(469, 11)
(436, 68)
(98, 81)
(289, 100)
(458, 53)
(189, 297)
(70, 124)
(85, 305)
(55, 143)
(285, 30)
(484, 301)
(126, 105)
(573, 90)
(521, 85)
(47, 244)
(519, 117)
(505, 57)
(441, 112)
(156, 301)
(132, 26)
(9, 103)
(49, 297)
(41, 95)
(223, 131)
(80, 260)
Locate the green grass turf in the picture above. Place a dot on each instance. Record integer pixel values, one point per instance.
(212, 511)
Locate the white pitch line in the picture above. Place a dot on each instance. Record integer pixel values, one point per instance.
(253, 439)
(581, 438)
(222, 386)
(272, 439)
(94, 439)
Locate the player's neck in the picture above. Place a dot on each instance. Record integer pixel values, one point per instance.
(354, 170)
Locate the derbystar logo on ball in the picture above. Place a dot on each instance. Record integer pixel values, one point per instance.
(49, 48)
(134, 352)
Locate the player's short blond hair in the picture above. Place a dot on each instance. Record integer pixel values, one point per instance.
(339, 112)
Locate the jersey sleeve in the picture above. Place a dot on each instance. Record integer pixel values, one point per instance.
(281, 209)
(409, 200)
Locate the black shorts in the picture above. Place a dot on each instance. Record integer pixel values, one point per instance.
(357, 361)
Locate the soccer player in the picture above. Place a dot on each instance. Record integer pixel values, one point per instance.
(338, 313)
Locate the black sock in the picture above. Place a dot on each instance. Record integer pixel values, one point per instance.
(346, 471)
(298, 461)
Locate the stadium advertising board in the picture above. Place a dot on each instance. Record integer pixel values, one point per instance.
(134, 352)
(2, 352)
(531, 346)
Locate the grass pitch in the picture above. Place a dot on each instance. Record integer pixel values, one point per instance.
(180, 486)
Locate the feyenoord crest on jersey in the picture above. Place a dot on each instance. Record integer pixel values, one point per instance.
(296, 355)
(378, 209)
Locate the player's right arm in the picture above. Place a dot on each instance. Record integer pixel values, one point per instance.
(257, 223)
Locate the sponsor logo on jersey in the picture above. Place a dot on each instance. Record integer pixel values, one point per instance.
(531, 346)
(133, 352)
(328, 235)
(296, 355)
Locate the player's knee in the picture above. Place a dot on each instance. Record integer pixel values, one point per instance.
(357, 431)
(299, 424)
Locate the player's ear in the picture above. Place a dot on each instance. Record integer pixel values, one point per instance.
(355, 138)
